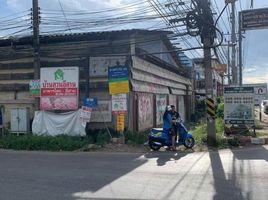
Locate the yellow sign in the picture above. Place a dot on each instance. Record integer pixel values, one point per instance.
(119, 87)
(120, 122)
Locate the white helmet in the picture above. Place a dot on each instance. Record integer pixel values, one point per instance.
(168, 108)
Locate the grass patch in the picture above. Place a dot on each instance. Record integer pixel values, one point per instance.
(50, 143)
(135, 138)
(200, 134)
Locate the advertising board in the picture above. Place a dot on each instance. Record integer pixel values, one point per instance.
(239, 105)
(59, 88)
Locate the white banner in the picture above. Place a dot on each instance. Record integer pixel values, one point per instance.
(48, 123)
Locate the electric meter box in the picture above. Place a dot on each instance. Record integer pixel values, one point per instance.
(20, 120)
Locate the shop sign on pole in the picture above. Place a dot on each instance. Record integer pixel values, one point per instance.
(120, 122)
(118, 79)
(119, 103)
(239, 105)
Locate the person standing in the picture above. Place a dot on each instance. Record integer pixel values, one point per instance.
(175, 116)
(168, 125)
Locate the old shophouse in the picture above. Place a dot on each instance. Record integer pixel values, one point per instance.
(155, 79)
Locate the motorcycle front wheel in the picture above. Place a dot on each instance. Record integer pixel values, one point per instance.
(154, 146)
(189, 142)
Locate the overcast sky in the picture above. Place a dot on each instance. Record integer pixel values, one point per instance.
(255, 42)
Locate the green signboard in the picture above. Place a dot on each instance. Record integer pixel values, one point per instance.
(239, 105)
(34, 88)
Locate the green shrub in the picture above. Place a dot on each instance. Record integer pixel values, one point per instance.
(200, 134)
(50, 143)
(135, 137)
(103, 137)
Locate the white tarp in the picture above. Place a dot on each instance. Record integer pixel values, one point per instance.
(48, 123)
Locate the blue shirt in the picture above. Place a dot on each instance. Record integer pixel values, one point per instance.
(167, 121)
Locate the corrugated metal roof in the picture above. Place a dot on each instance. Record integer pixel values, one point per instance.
(79, 36)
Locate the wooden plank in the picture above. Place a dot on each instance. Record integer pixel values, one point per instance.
(17, 101)
(21, 65)
(25, 86)
(14, 87)
(62, 63)
(17, 76)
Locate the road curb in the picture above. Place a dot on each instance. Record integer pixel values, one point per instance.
(250, 140)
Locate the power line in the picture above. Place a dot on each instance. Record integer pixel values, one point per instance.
(65, 16)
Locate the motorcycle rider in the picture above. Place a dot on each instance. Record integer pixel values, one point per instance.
(168, 125)
(175, 116)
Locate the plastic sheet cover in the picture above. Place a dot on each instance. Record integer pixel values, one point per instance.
(48, 123)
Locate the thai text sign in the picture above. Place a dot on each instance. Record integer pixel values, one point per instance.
(254, 19)
(85, 114)
(120, 122)
(118, 79)
(119, 103)
(34, 88)
(260, 90)
(59, 88)
(239, 105)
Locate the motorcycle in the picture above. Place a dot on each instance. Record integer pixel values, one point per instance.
(162, 138)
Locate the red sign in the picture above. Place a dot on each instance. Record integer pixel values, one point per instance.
(58, 91)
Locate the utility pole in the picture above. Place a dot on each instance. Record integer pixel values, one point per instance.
(36, 46)
(229, 64)
(208, 35)
(233, 38)
(240, 50)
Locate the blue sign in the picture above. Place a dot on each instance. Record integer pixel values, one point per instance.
(118, 72)
(90, 102)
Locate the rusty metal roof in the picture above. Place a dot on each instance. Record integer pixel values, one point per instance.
(84, 36)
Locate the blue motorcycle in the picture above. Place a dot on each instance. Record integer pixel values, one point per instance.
(160, 138)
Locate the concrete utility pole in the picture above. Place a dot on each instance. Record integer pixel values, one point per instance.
(36, 45)
(240, 51)
(233, 37)
(229, 63)
(208, 39)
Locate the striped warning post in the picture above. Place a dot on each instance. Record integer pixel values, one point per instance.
(210, 107)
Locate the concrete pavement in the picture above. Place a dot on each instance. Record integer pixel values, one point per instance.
(226, 174)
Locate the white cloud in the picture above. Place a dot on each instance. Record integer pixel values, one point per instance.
(249, 70)
(19, 5)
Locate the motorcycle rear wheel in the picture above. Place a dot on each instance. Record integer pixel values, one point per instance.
(189, 142)
(154, 147)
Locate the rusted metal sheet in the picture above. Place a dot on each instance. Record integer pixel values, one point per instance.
(172, 100)
(150, 78)
(161, 103)
(158, 71)
(139, 86)
(181, 107)
(145, 111)
(178, 92)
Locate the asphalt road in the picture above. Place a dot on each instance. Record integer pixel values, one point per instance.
(227, 174)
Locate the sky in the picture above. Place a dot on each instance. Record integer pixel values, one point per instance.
(255, 43)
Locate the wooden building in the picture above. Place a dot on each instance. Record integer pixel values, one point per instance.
(156, 79)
